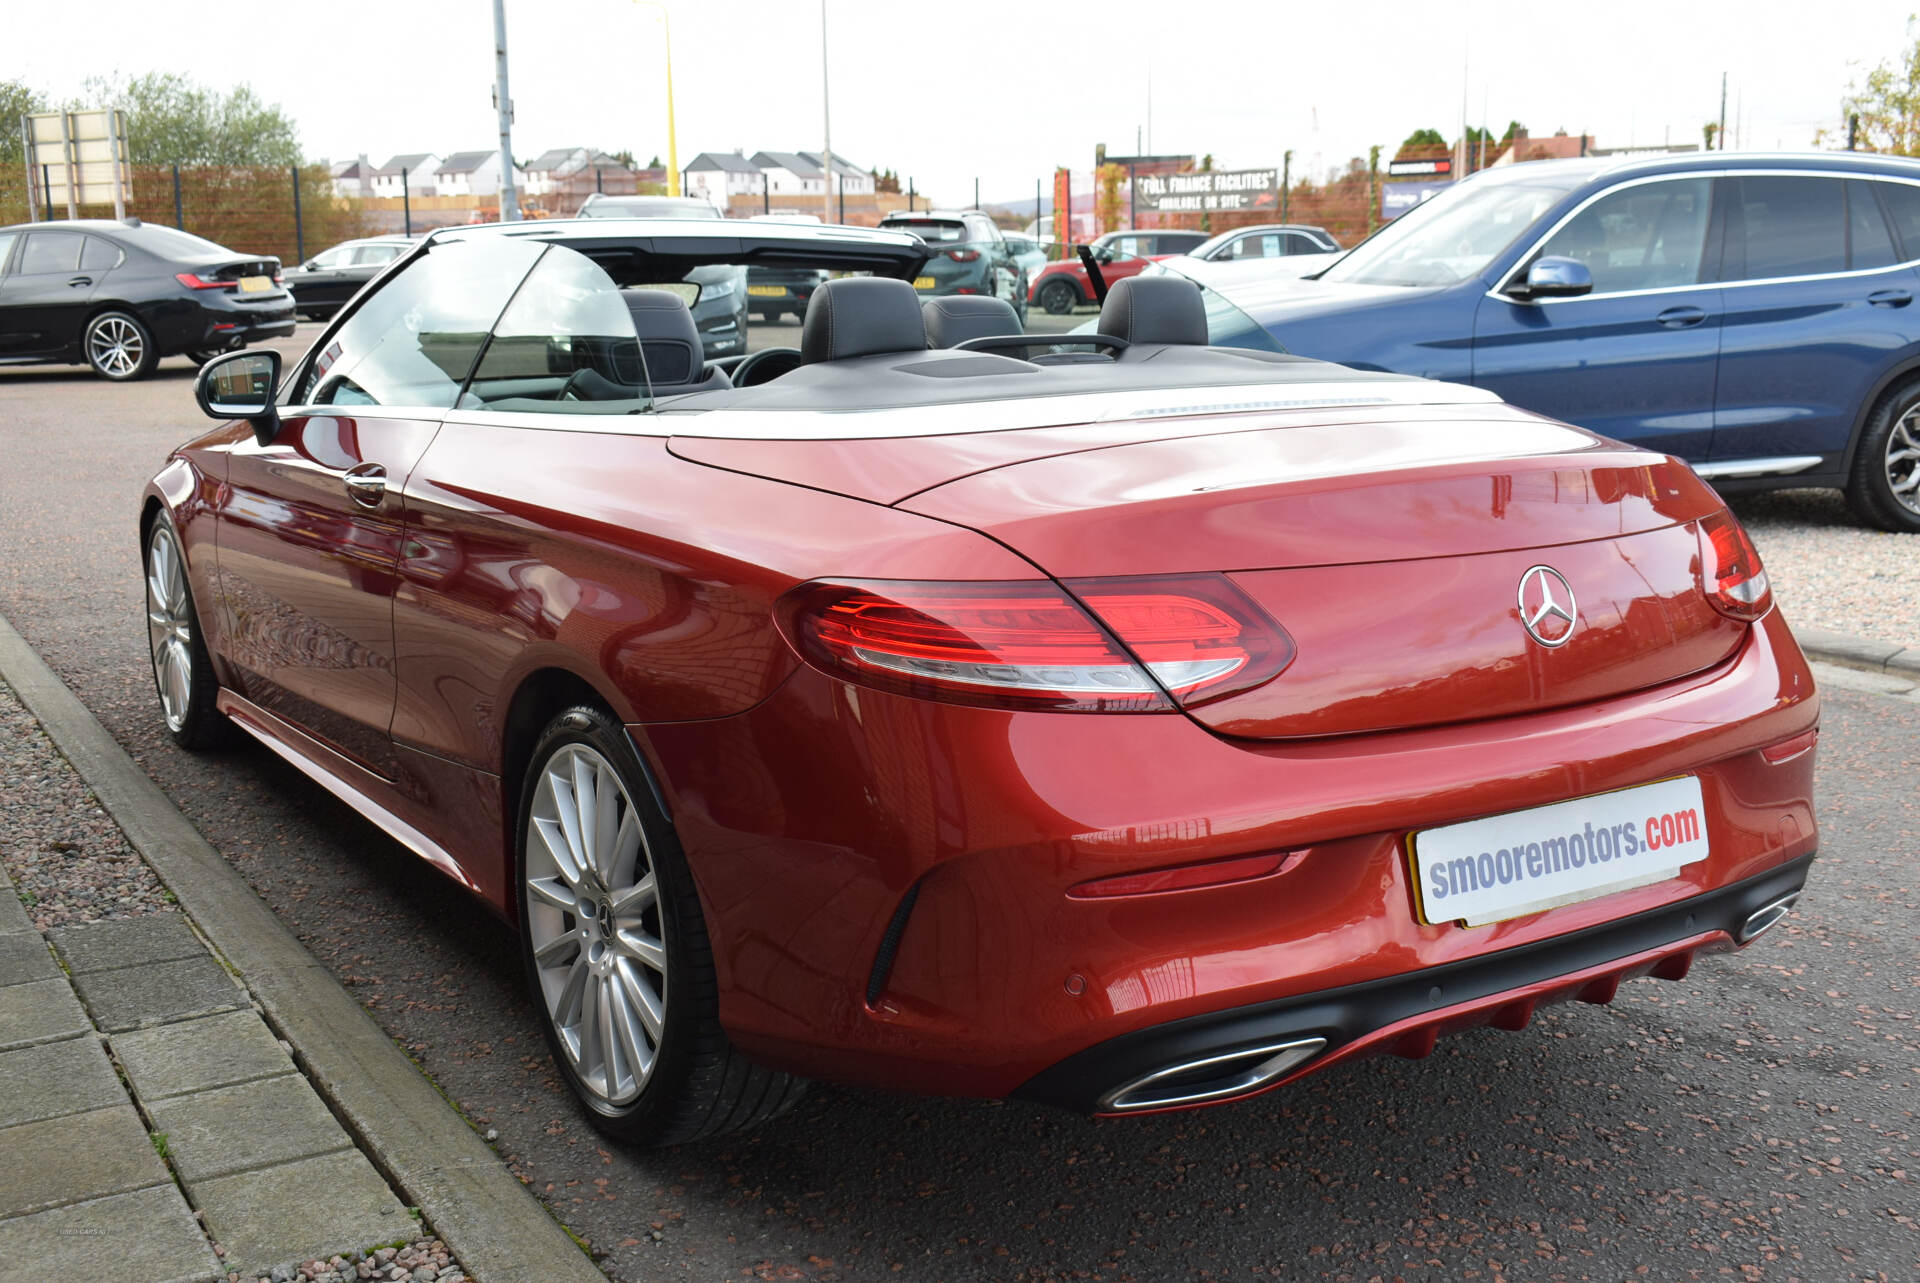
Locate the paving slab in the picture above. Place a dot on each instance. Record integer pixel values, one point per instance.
(56, 1078)
(39, 1012)
(134, 997)
(13, 914)
(147, 1235)
(126, 942)
(236, 1129)
(69, 1160)
(24, 958)
(311, 1208)
(195, 1055)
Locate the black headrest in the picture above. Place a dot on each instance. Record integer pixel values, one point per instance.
(1155, 309)
(859, 316)
(953, 320)
(669, 340)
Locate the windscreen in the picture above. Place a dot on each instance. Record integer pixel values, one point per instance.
(1455, 235)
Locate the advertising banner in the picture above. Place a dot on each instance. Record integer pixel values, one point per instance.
(78, 158)
(1222, 191)
(1397, 198)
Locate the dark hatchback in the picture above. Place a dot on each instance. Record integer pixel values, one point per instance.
(118, 296)
(970, 256)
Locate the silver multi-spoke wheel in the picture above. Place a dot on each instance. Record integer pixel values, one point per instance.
(594, 923)
(170, 625)
(115, 346)
(1903, 460)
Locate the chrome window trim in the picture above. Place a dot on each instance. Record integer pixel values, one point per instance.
(1500, 291)
(431, 413)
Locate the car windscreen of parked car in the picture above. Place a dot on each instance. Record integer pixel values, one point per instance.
(930, 230)
(1454, 235)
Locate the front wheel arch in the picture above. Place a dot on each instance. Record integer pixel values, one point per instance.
(1889, 383)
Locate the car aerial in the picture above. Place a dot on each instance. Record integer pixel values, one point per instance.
(937, 708)
(119, 295)
(322, 284)
(971, 257)
(1748, 313)
(1064, 285)
(722, 310)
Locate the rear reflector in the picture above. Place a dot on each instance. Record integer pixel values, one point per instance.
(1184, 877)
(1730, 570)
(1028, 644)
(1788, 749)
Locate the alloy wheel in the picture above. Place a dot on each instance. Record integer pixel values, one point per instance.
(115, 346)
(594, 922)
(169, 626)
(1903, 460)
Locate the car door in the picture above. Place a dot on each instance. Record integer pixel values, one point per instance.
(328, 280)
(47, 294)
(1635, 358)
(11, 334)
(1818, 300)
(311, 521)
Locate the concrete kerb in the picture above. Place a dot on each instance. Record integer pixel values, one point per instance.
(1848, 651)
(487, 1218)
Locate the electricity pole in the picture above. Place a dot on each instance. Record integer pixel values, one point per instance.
(1721, 136)
(509, 203)
(826, 120)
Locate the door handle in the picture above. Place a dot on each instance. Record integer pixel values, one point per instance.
(367, 485)
(1679, 318)
(80, 280)
(1890, 298)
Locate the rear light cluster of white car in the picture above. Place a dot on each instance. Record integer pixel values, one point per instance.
(1730, 570)
(1108, 645)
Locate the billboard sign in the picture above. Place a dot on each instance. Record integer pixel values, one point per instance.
(1397, 168)
(78, 158)
(1397, 198)
(1221, 191)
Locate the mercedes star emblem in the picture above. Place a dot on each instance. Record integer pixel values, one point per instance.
(1546, 606)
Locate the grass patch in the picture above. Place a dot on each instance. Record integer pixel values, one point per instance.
(159, 1143)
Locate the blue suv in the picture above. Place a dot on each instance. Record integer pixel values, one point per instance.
(1751, 314)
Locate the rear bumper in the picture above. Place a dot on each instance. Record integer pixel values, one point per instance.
(886, 880)
(1403, 1014)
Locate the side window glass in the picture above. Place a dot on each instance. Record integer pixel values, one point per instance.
(48, 252)
(567, 344)
(1644, 237)
(373, 254)
(6, 247)
(1869, 243)
(1792, 227)
(97, 255)
(414, 341)
(1903, 202)
(333, 258)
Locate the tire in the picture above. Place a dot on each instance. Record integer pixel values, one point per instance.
(1020, 306)
(1059, 297)
(1884, 489)
(182, 670)
(118, 347)
(623, 934)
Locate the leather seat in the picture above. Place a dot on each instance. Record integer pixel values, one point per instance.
(953, 320)
(670, 342)
(862, 316)
(1153, 310)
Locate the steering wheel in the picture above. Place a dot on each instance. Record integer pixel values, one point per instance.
(765, 366)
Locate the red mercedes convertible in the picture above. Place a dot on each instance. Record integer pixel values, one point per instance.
(1127, 720)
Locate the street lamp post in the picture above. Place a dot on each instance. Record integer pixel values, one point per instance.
(673, 142)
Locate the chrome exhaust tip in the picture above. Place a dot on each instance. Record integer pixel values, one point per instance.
(1765, 916)
(1215, 1077)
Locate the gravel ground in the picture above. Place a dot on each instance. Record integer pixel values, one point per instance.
(422, 1261)
(67, 859)
(1829, 572)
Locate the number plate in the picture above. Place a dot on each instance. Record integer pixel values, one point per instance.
(1507, 866)
(923, 282)
(255, 284)
(767, 291)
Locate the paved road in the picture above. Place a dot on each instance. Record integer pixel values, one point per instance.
(1754, 1121)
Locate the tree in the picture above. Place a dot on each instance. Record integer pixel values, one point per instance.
(1888, 105)
(625, 157)
(655, 162)
(1423, 138)
(1513, 127)
(17, 98)
(174, 120)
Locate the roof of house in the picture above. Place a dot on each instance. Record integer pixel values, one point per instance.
(840, 163)
(406, 160)
(794, 163)
(730, 161)
(465, 162)
(551, 160)
(351, 169)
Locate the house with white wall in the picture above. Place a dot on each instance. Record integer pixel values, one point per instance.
(471, 173)
(718, 176)
(417, 168)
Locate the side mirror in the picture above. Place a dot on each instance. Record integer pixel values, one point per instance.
(240, 385)
(1555, 277)
(311, 265)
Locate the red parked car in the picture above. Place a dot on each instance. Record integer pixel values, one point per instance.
(1062, 286)
(935, 708)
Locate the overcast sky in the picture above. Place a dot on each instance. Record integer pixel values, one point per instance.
(1003, 91)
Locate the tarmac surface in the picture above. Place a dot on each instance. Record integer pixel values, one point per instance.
(1755, 1120)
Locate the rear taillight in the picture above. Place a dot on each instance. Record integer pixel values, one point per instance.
(1730, 570)
(195, 281)
(1028, 644)
(963, 255)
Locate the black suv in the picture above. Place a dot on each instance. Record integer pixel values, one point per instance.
(970, 256)
(118, 296)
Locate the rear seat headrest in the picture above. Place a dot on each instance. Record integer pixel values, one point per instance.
(859, 316)
(1155, 309)
(953, 320)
